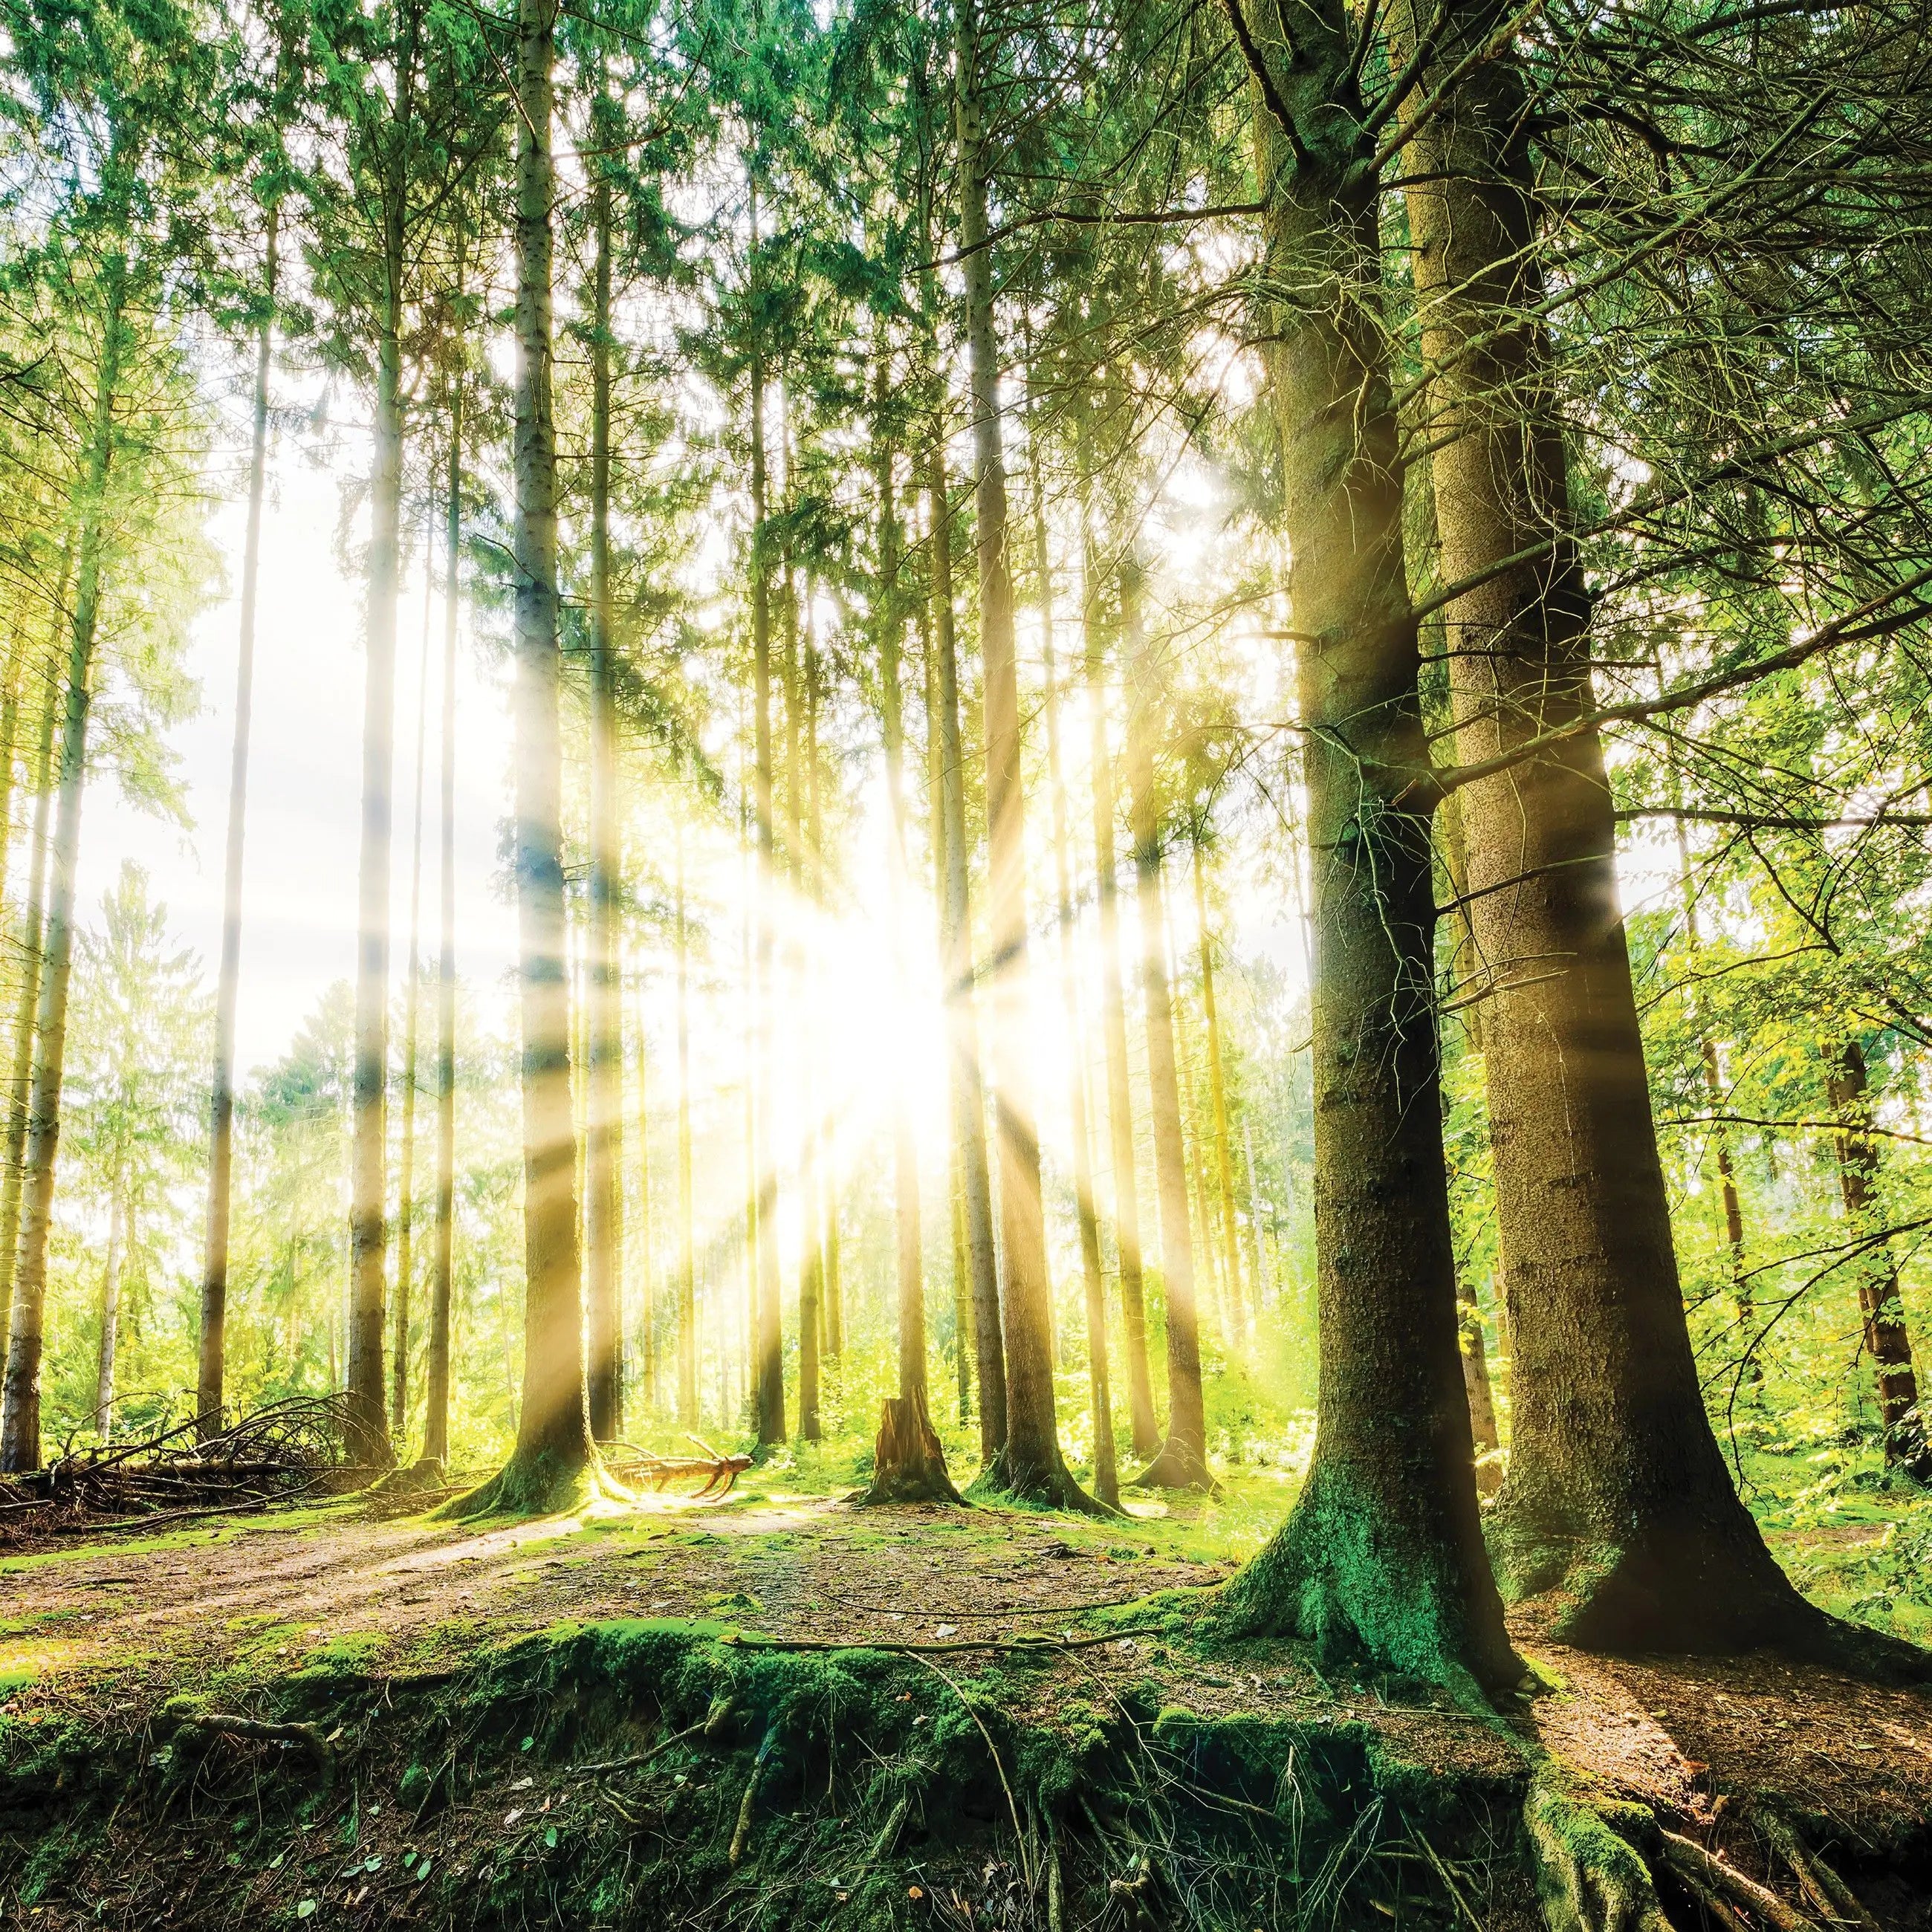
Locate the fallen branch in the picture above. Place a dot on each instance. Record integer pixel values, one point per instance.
(224, 1723)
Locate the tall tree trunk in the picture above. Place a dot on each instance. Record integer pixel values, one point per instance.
(603, 1138)
(406, 1164)
(26, 1004)
(554, 1445)
(1106, 1474)
(1476, 1385)
(1886, 1340)
(368, 1243)
(20, 1403)
(908, 1464)
(825, 1208)
(1617, 1491)
(1145, 1430)
(647, 1254)
(968, 1090)
(768, 1340)
(1383, 1551)
(442, 1266)
(687, 1276)
(1030, 1465)
(1239, 1316)
(110, 1312)
(211, 1345)
(1182, 1461)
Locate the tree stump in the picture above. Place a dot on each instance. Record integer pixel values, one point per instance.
(908, 1465)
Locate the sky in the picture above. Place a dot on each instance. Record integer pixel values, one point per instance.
(304, 779)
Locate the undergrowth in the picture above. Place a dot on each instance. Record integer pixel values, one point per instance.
(672, 1774)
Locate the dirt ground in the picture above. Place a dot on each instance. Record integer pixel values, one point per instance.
(118, 1628)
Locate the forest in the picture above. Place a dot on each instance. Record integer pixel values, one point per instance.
(962, 964)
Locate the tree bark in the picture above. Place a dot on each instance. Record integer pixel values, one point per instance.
(26, 1004)
(20, 1402)
(767, 1340)
(442, 1266)
(554, 1446)
(605, 1125)
(1106, 1471)
(1240, 1316)
(1030, 1465)
(406, 1164)
(1883, 1309)
(368, 1181)
(968, 1090)
(1141, 1422)
(1182, 1461)
(687, 1277)
(912, 1372)
(1383, 1552)
(212, 1342)
(1617, 1492)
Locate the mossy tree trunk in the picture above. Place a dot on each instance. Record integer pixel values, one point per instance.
(1383, 1552)
(1616, 1491)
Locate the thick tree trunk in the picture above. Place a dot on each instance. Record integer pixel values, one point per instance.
(687, 1260)
(20, 1402)
(443, 1265)
(767, 1337)
(1617, 1492)
(26, 1004)
(1030, 1465)
(1145, 1430)
(368, 1166)
(1240, 1316)
(554, 1446)
(211, 1343)
(1182, 1461)
(968, 1090)
(1383, 1551)
(603, 1139)
(1880, 1305)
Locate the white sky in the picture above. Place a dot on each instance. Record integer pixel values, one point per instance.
(304, 778)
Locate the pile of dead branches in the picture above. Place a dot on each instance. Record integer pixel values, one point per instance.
(281, 1453)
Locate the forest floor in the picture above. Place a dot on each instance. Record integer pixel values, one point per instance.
(387, 1630)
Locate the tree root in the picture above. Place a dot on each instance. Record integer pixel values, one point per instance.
(1589, 1877)
(1708, 1872)
(536, 1483)
(1029, 1484)
(1177, 1467)
(741, 1832)
(306, 1737)
(1830, 1898)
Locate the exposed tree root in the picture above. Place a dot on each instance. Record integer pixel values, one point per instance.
(1709, 1872)
(537, 1484)
(1034, 1485)
(1333, 1578)
(1177, 1467)
(1830, 1898)
(1589, 1877)
(1695, 1593)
